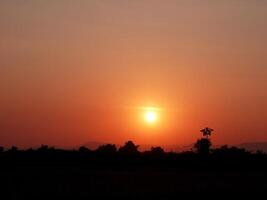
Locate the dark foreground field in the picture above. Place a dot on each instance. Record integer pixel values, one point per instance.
(131, 183)
(49, 173)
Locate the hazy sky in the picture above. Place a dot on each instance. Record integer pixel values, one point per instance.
(77, 71)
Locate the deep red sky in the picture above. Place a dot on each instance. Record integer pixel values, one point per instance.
(77, 71)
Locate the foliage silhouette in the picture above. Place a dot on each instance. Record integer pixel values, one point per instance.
(206, 131)
(128, 170)
(107, 149)
(13, 149)
(84, 149)
(157, 150)
(43, 148)
(129, 149)
(203, 145)
(230, 151)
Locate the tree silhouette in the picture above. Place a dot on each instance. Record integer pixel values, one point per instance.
(14, 149)
(129, 148)
(225, 151)
(84, 149)
(203, 145)
(107, 149)
(157, 150)
(2, 149)
(43, 148)
(206, 131)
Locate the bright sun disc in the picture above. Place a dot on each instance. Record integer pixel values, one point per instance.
(150, 116)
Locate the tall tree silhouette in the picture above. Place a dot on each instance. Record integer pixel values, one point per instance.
(203, 144)
(206, 132)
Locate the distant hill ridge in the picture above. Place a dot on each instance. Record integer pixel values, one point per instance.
(254, 146)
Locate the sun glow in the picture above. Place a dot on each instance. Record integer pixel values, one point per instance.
(150, 117)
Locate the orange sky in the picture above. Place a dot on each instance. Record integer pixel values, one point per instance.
(77, 71)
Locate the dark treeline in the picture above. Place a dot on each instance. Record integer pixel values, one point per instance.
(127, 173)
(202, 156)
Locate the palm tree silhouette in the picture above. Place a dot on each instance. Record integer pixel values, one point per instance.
(206, 132)
(203, 145)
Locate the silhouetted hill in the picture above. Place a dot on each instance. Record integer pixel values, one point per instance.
(254, 146)
(93, 145)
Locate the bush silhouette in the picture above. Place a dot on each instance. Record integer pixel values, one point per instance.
(14, 149)
(225, 151)
(43, 148)
(157, 151)
(107, 149)
(84, 149)
(129, 148)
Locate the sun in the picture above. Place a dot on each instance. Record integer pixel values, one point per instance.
(150, 117)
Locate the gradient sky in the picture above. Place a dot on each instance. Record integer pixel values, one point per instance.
(77, 71)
